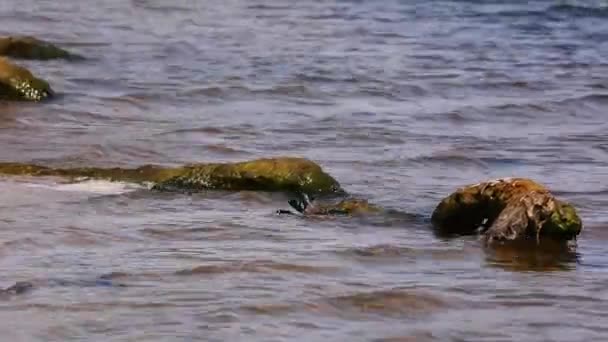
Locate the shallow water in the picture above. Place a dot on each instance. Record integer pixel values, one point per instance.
(401, 102)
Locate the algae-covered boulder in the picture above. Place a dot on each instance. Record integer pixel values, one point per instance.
(27, 47)
(271, 174)
(18, 83)
(507, 209)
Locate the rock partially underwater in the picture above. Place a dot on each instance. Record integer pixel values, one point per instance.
(505, 210)
(19, 84)
(286, 174)
(27, 47)
(349, 206)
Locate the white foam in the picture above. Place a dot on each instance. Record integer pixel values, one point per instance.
(90, 186)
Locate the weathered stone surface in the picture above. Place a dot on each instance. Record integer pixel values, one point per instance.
(18, 84)
(270, 174)
(27, 47)
(507, 209)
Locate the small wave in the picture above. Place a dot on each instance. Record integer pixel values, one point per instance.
(223, 149)
(522, 108)
(215, 91)
(266, 7)
(318, 78)
(516, 85)
(259, 266)
(600, 99)
(243, 130)
(206, 130)
(580, 10)
(190, 234)
(552, 13)
(133, 99)
(21, 244)
(393, 91)
(384, 250)
(581, 106)
(333, 16)
(269, 309)
(223, 92)
(133, 152)
(123, 276)
(394, 302)
(390, 252)
(148, 5)
(451, 159)
(416, 337)
(286, 89)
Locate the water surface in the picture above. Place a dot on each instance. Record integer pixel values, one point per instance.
(401, 102)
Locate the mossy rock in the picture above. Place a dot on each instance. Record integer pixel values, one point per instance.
(18, 83)
(26, 47)
(507, 209)
(270, 174)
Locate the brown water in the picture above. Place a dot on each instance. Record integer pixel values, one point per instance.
(401, 102)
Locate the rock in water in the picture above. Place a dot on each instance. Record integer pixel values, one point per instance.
(26, 47)
(283, 174)
(267, 174)
(507, 209)
(18, 83)
(347, 206)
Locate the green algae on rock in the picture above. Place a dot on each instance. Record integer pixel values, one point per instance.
(27, 47)
(269, 174)
(19, 84)
(507, 209)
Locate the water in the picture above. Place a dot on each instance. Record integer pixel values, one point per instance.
(401, 102)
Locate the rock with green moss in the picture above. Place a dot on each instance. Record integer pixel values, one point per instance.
(270, 174)
(17, 83)
(27, 47)
(505, 210)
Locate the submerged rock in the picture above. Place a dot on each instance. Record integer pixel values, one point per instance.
(32, 48)
(18, 83)
(507, 209)
(269, 174)
(347, 206)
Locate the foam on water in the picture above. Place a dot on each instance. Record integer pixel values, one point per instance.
(91, 186)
